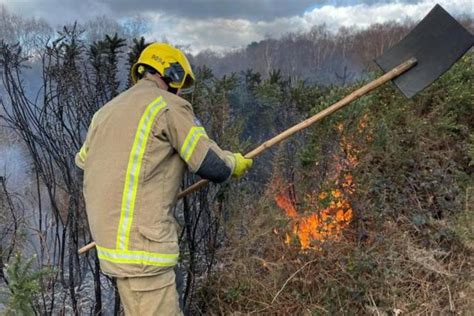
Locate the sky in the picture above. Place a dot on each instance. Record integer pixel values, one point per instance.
(229, 24)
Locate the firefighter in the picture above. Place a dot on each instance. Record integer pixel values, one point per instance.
(135, 154)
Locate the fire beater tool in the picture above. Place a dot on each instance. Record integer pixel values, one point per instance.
(418, 60)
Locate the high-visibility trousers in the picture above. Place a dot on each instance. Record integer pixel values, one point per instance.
(151, 295)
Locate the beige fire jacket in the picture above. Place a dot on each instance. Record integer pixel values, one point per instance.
(136, 151)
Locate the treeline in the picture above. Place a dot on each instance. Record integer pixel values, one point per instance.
(320, 55)
(34, 33)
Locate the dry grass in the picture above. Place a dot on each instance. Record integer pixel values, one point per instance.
(379, 270)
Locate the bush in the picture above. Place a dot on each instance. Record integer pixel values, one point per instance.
(24, 285)
(408, 248)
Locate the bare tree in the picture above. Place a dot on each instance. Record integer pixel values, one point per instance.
(52, 128)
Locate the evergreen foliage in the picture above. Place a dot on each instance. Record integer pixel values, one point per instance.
(24, 285)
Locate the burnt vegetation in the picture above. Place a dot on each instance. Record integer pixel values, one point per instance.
(402, 167)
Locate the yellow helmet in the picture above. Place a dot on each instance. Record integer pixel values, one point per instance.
(171, 64)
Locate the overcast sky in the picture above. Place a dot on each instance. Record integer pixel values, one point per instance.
(227, 24)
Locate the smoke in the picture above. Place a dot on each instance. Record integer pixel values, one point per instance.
(14, 165)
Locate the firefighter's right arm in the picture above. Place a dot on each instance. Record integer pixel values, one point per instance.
(189, 138)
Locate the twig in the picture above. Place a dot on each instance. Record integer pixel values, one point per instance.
(291, 277)
(451, 303)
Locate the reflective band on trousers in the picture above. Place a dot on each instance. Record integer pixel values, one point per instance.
(133, 171)
(137, 257)
(191, 141)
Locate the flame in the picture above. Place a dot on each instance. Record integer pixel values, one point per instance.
(320, 226)
(330, 210)
(285, 203)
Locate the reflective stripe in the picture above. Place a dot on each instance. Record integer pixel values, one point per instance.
(83, 153)
(133, 171)
(195, 133)
(137, 257)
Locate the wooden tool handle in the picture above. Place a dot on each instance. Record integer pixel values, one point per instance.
(395, 72)
(86, 248)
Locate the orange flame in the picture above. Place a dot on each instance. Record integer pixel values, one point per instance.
(321, 226)
(285, 203)
(331, 210)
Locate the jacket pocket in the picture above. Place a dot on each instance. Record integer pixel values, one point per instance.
(160, 238)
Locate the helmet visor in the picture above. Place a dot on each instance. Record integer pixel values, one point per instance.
(188, 85)
(178, 78)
